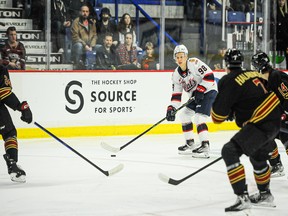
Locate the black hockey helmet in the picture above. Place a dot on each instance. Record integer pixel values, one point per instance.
(260, 61)
(233, 58)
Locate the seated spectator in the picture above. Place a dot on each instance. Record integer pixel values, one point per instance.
(106, 57)
(58, 24)
(217, 60)
(84, 37)
(126, 25)
(106, 25)
(127, 54)
(13, 53)
(73, 8)
(148, 61)
(240, 5)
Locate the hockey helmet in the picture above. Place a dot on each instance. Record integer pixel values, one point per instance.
(233, 58)
(260, 61)
(180, 49)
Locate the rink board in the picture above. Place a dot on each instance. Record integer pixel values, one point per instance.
(93, 103)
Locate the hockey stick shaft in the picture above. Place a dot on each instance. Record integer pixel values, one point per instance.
(73, 150)
(176, 182)
(153, 126)
(283, 130)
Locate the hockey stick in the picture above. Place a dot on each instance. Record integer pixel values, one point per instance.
(168, 180)
(283, 130)
(115, 149)
(107, 173)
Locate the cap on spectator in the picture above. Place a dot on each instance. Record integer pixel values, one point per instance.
(105, 10)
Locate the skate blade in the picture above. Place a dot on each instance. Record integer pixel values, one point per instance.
(265, 204)
(201, 155)
(185, 153)
(276, 175)
(244, 212)
(20, 179)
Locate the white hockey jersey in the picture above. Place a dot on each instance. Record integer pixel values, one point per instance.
(197, 74)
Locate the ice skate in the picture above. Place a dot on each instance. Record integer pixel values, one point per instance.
(202, 151)
(277, 170)
(242, 203)
(263, 198)
(187, 148)
(15, 172)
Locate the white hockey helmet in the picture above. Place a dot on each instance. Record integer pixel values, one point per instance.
(179, 49)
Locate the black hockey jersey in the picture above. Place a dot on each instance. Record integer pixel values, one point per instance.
(6, 95)
(278, 83)
(243, 93)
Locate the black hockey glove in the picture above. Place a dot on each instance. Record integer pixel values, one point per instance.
(230, 116)
(26, 112)
(199, 94)
(169, 115)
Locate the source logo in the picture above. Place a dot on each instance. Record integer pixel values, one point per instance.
(72, 95)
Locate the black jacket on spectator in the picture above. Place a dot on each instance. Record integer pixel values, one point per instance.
(102, 30)
(106, 60)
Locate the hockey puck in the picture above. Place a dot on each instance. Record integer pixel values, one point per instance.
(113, 155)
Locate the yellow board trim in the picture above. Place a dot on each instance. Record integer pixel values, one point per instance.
(119, 130)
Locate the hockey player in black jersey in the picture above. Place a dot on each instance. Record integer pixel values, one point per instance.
(277, 81)
(257, 112)
(7, 128)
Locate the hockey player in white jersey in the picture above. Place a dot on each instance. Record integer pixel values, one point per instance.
(197, 79)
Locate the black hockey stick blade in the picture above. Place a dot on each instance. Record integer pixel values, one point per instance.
(117, 149)
(113, 171)
(172, 181)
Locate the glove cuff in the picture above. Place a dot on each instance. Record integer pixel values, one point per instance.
(23, 106)
(170, 107)
(201, 88)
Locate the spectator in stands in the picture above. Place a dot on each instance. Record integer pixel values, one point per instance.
(84, 36)
(217, 61)
(126, 25)
(74, 5)
(240, 5)
(127, 53)
(106, 57)
(13, 53)
(106, 25)
(73, 8)
(58, 24)
(282, 29)
(37, 14)
(18, 3)
(211, 5)
(148, 61)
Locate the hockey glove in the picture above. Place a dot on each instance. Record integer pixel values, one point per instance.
(170, 115)
(199, 94)
(26, 112)
(230, 116)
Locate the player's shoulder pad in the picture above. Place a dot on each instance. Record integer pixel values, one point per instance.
(193, 60)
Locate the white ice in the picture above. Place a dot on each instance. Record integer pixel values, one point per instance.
(59, 182)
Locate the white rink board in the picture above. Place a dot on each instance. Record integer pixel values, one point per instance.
(143, 97)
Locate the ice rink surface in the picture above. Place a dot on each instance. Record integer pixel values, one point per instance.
(59, 182)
